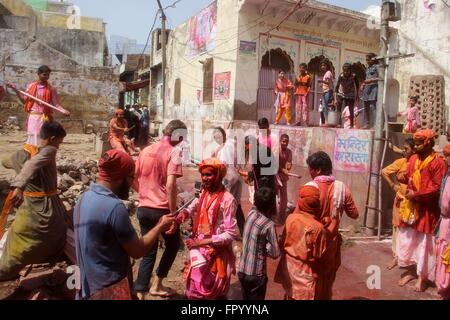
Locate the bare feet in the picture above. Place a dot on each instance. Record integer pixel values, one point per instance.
(162, 292)
(407, 278)
(141, 295)
(421, 285)
(159, 290)
(393, 264)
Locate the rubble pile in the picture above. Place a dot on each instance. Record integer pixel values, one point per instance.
(74, 178)
(40, 282)
(9, 125)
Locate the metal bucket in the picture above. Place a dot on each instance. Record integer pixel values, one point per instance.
(333, 118)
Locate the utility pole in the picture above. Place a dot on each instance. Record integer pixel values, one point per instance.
(373, 209)
(389, 12)
(164, 55)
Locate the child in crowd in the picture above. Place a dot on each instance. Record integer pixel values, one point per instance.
(259, 241)
(285, 165)
(303, 86)
(346, 117)
(412, 115)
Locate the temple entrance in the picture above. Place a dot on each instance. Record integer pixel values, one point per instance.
(316, 90)
(272, 62)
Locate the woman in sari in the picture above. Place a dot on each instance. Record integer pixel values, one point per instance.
(212, 261)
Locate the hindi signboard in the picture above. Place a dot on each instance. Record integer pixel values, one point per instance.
(352, 150)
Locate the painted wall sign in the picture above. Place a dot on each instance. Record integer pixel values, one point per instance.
(352, 150)
(222, 85)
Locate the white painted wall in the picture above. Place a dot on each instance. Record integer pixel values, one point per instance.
(427, 34)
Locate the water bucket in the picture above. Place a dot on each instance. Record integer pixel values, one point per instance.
(333, 118)
(196, 258)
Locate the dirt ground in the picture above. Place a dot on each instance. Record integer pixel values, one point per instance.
(358, 257)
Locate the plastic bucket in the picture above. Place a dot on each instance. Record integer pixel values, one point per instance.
(333, 118)
(196, 258)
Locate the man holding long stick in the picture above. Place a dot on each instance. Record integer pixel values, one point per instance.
(39, 112)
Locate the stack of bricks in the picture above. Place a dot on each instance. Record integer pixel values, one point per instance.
(431, 94)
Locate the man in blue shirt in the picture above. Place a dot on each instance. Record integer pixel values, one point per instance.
(105, 238)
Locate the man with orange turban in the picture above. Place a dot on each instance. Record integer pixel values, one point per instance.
(443, 236)
(420, 212)
(118, 127)
(212, 261)
(304, 268)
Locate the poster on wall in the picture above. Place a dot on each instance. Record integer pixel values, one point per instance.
(222, 85)
(247, 48)
(352, 151)
(315, 50)
(202, 30)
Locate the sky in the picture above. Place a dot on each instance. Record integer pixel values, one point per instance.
(134, 18)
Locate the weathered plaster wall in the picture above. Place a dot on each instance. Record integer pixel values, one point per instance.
(90, 93)
(428, 36)
(85, 47)
(189, 69)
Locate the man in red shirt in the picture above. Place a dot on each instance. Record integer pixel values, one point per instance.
(421, 212)
(157, 170)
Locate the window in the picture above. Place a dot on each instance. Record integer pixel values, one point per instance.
(208, 79)
(177, 94)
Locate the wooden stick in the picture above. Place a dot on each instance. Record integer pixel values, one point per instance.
(62, 110)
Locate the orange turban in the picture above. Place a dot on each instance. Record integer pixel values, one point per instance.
(309, 200)
(447, 150)
(115, 165)
(217, 165)
(426, 134)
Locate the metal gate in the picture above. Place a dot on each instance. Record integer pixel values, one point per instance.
(266, 92)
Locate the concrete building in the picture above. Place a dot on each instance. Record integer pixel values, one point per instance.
(425, 31)
(222, 62)
(74, 47)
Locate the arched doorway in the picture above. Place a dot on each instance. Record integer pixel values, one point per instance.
(271, 63)
(317, 74)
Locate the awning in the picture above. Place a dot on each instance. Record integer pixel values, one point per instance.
(131, 86)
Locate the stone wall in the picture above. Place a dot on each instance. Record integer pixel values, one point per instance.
(90, 93)
(85, 47)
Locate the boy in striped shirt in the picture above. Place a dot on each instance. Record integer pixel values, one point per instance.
(259, 241)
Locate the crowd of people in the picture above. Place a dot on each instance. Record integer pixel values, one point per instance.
(348, 97)
(309, 245)
(421, 238)
(129, 128)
